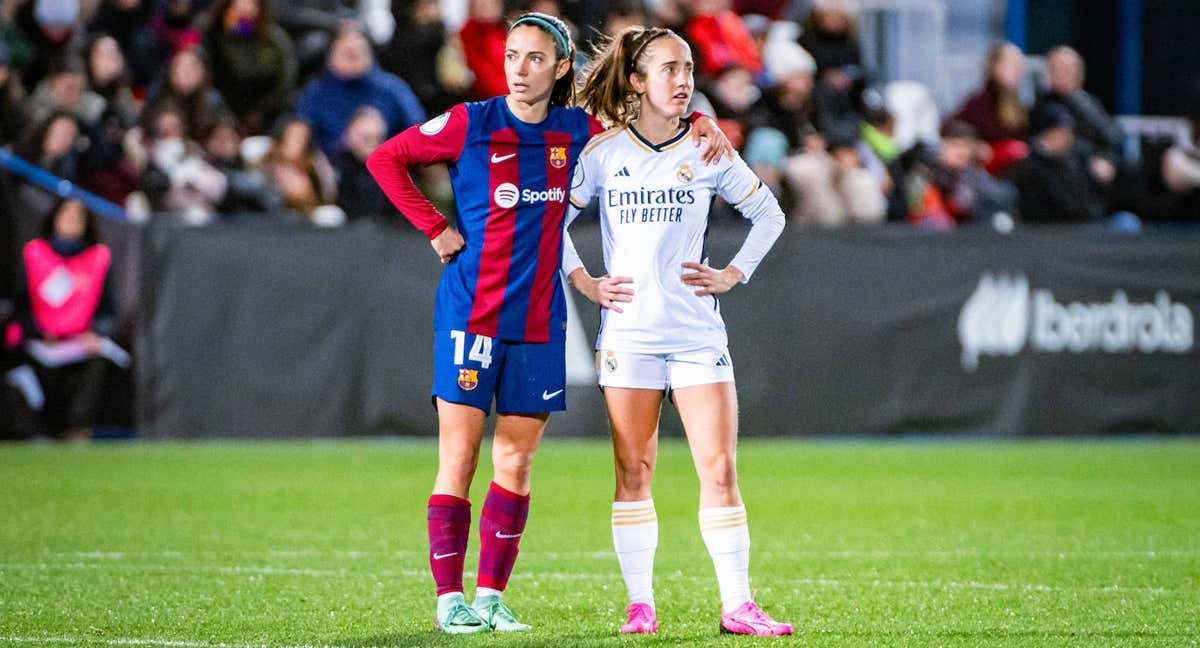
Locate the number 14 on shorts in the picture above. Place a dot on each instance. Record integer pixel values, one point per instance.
(481, 349)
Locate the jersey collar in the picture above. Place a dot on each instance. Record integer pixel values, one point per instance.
(658, 148)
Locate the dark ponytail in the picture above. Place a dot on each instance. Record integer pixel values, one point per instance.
(607, 92)
(563, 93)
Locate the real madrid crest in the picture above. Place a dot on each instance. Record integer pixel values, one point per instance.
(468, 379)
(610, 361)
(558, 156)
(684, 173)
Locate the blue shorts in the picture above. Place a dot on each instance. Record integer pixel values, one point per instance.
(523, 377)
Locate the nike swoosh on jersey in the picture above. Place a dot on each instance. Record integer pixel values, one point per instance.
(437, 556)
(546, 396)
(496, 159)
(505, 536)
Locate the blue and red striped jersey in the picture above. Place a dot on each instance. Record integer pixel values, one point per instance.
(511, 181)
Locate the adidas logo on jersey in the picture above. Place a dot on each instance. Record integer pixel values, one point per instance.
(623, 173)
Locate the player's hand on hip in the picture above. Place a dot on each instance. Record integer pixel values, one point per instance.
(718, 145)
(710, 281)
(607, 291)
(447, 244)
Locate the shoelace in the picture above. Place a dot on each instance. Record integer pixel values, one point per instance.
(759, 616)
(638, 613)
(463, 615)
(499, 609)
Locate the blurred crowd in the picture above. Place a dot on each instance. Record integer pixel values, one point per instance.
(208, 110)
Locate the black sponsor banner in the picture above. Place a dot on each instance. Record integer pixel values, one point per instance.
(291, 331)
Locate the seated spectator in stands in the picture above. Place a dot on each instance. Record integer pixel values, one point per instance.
(483, 37)
(52, 29)
(830, 36)
(1181, 175)
(995, 111)
(832, 187)
(415, 53)
(766, 152)
(720, 39)
(54, 145)
(65, 314)
(247, 189)
(951, 189)
(352, 80)
(107, 77)
(128, 21)
(299, 170)
(13, 116)
(187, 85)
(1064, 80)
(174, 25)
(357, 192)
(1054, 182)
(731, 95)
(253, 63)
(880, 154)
(787, 106)
(65, 88)
(177, 178)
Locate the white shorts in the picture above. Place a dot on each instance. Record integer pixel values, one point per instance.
(664, 371)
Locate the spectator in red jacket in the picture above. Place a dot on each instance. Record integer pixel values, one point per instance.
(483, 37)
(995, 111)
(721, 39)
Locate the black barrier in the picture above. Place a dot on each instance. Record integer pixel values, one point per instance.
(270, 331)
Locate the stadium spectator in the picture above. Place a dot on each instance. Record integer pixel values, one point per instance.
(187, 84)
(1181, 177)
(483, 37)
(1054, 181)
(54, 145)
(420, 36)
(357, 192)
(51, 27)
(1064, 86)
(787, 106)
(352, 80)
(65, 314)
(830, 35)
(953, 189)
(832, 187)
(128, 21)
(253, 63)
(996, 111)
(299, 169)
(66, 88)
(247, 188)
(174, 25)
(720, 39)
(13, 116)
(177, 178)
(108, 78)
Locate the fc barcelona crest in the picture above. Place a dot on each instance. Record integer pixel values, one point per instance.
(558, 156)
(684, 174)
(468, 379)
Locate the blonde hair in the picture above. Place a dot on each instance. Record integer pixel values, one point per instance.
(607, 92)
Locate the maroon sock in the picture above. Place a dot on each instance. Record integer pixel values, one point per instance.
(500, 527)
(449, 527)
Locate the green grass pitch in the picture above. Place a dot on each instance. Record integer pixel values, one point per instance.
(872, 543)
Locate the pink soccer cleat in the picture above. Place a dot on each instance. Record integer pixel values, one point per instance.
(642, 619)
(749, 619)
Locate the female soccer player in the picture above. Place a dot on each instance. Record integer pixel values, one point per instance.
(500, 316)
(661, 329)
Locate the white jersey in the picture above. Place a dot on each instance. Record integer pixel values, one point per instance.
(654, 204)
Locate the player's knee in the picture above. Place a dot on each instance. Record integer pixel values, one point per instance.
(513, 461)
(634, 474)
(720, 473)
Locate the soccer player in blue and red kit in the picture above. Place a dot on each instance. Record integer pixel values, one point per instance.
(500, 315)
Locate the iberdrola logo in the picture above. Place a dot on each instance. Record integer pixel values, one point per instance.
(1004, 315)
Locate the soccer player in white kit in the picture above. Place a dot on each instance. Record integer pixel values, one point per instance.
(661, 329)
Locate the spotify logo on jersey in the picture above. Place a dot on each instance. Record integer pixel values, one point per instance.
(506, 195)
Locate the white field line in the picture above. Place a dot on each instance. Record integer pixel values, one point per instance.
(268, 570)
(607, 554)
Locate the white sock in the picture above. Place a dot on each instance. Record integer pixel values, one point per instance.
(727, 537)
(487, 591)
(635, 537)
